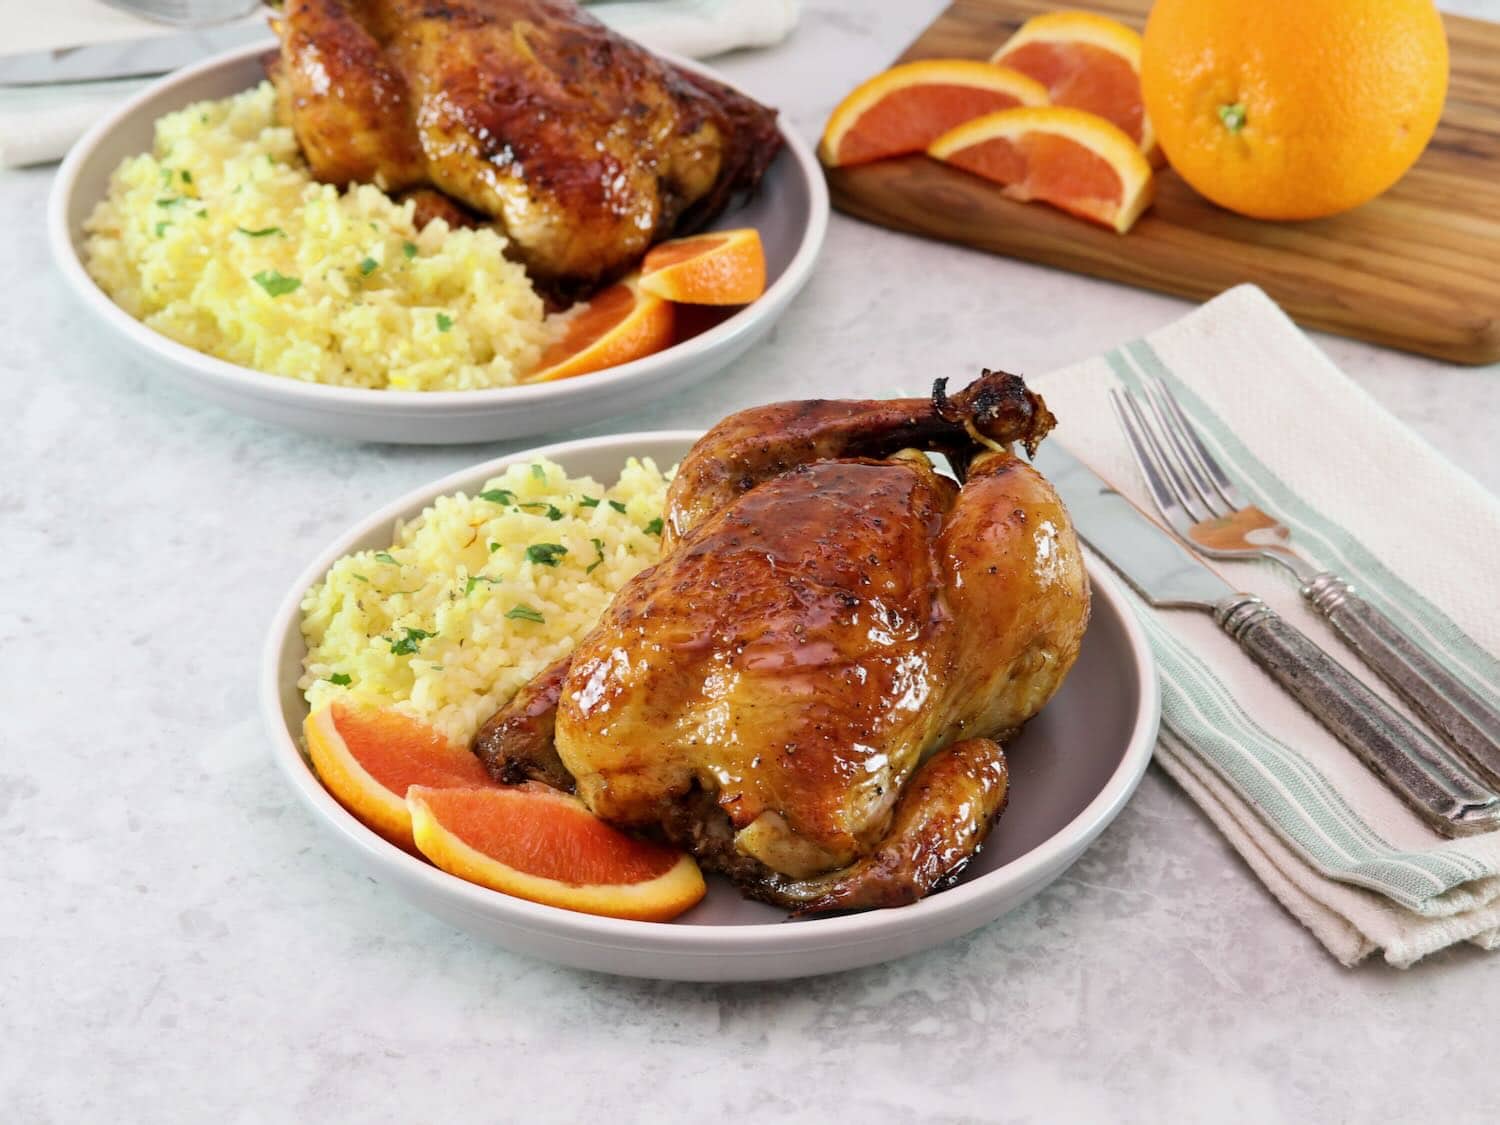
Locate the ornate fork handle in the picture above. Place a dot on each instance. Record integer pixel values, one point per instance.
(1469, 723)
(1418, 769)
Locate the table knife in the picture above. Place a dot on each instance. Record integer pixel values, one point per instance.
(128, 58)
(1436, 786)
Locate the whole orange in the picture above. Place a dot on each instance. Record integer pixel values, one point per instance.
(1292, 109)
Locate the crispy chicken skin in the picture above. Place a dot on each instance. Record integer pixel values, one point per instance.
(581, 146)
(810, 688)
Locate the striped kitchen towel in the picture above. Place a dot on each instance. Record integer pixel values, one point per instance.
(1368, 498)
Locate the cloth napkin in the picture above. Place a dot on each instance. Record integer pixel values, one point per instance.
(1366, 497)
(39, 123)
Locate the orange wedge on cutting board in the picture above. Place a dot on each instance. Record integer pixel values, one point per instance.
(619, 324)
(723, 267)
(368, 758)
(545, 846)
(1085, 61)
(1069, 158)
(904, 109)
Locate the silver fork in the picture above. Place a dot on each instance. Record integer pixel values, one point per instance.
(1201, 503)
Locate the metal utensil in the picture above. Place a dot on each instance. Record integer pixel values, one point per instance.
(128, 58)
(187, 13)
(1197, 498)
(1431, 781)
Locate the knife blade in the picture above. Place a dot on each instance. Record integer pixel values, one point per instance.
(127, 58)
(1436, 785)
(1159, 568)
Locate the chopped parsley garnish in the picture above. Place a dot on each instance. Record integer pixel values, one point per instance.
(339, 678)
(161, 226)
(386, 557)
(410, 642)
(169, 201)
(539, 472)
(361, 577)
(409, 249)
(617, 506)
(262, 232)
(553, 512)
(547, 554)
(444, 322)
(475, 580)
(589, 501)
(494, 547)
(599, 550)
(187, 177)
(654, 527)
(498, 496)
(524, 613)
(276, 284)
(367, 267)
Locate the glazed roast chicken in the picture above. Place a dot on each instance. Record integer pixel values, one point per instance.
(810, 690)
(580, 145)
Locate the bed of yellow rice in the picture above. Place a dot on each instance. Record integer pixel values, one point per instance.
(222, 240)
(479, 593)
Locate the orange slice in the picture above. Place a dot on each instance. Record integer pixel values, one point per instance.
(617, 325)
(907, 107)
(368, 758)
(726, 267)
(539, 844)
(1066, 157)
(1086, 61)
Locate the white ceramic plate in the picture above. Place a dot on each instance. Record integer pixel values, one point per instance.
(1072, 771)
(790, 210)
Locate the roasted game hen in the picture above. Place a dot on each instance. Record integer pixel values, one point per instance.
(582, 146)
(809, 691)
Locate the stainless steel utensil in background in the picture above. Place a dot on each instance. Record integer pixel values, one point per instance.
(1438, 787)
(1200, 502)
(127, 58)
(187, 13)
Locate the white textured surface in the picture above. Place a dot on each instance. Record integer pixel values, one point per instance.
(178, 942)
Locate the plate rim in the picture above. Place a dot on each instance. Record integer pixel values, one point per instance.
(762, 938)
(68, 259)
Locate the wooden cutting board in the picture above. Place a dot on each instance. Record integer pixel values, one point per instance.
(1417, 268)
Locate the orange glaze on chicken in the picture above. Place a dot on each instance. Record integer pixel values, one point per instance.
(807, 690)
(581, 145)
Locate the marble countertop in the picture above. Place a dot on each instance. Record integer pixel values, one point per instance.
(179, 940)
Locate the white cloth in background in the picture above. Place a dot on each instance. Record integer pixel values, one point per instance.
(1369, 499)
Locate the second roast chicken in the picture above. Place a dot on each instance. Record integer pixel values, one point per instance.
(810, 690)
(580, 145)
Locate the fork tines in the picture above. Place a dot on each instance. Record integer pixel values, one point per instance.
(1185, 480)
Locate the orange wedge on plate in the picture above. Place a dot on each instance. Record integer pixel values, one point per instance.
(1086, 61)
(618, 325)
(724, 267)
(1071, 159)
(907, 107)
(545, 846)
(368, 758)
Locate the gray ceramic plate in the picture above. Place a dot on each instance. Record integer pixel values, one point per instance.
(790, 210)
(1072, 771)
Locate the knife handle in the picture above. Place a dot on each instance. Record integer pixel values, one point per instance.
(1417, 769)
(1467, 722)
